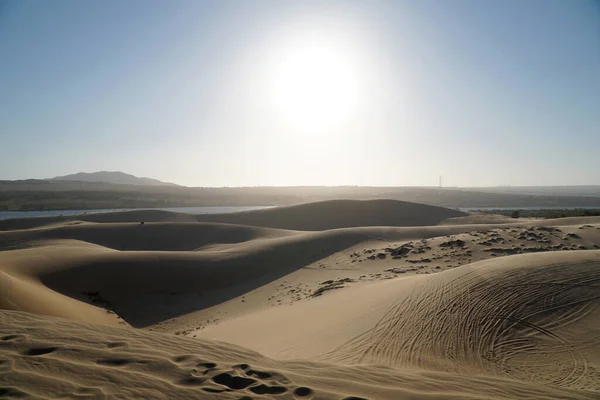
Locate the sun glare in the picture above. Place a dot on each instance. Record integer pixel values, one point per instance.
(314, 85)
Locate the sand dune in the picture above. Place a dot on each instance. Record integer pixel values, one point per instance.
(490, 309)
(160, 236)
(534, 317)
(174, 282)
(231, 260)
(308, 216)
(105, 217)
(25, 295)
(54, 358)
(338, 214)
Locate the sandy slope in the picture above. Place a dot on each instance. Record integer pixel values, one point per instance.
(43, 357)
(120, 216)
(160, 236)
(484, 309)
(339, 214)
(534, 317)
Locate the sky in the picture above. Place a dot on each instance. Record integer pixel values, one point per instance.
(285, 93)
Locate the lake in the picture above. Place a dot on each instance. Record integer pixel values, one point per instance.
(188, 210)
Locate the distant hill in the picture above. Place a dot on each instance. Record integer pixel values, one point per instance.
(115, 177)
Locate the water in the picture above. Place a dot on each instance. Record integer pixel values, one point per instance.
(188, 210)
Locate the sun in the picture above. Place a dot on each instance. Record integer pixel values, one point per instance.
(314, 85)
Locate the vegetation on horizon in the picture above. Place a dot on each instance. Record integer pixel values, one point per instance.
(548, 214)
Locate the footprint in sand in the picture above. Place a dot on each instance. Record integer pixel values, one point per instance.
(191, 381)
(9, 392)
(114, 362)
(208, 365)
(11, 338)
(233, 382)
(303, 391)
(182, 358)
(114, 345)
(265, 389)
(5, 364)
(40, 351)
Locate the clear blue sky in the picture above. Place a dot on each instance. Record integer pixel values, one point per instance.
(237, 93)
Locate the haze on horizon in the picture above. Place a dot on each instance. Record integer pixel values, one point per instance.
(267, 93)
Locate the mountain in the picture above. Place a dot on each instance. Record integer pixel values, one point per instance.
(115, 177)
